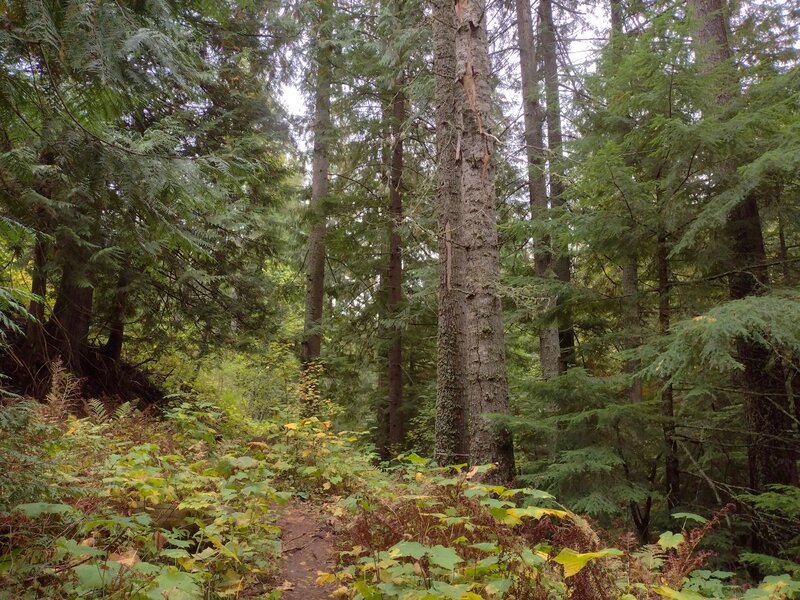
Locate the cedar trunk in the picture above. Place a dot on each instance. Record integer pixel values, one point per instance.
(395, 275)
(315, 259)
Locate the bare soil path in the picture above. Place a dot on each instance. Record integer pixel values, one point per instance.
(308, 546)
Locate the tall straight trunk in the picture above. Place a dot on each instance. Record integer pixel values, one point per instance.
(315, 258)
(68, 326)
(562, 265)
(487, 387)
(395, 273)
(116, 333)
(451, 420)
(549, 352)
(671, 464)
(772, 448)
(35, 327)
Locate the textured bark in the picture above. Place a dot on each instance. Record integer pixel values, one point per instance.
(487, 387)
(671, 464)
(562, 266)
(451, 435)
(549, 351)
(315, 258)
(116, 334)
(395, 275)
(772, 447)
(68, 326)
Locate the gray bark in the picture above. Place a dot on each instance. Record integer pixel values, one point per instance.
(451, 436)
(562, 265)
(549, 349)
(487, 387)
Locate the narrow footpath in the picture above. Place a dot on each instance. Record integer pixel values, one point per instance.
(308, 548)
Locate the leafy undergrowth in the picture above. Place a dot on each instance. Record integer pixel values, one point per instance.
(125, 506)
(442, 533)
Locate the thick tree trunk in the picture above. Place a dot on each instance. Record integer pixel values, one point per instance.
(562, 265)
(451, 421)
(772, 452)
(116, 334)
(487, 387)
(315, 258)
(395, 275)
(671, 464)
(68, 327)
(549, 352)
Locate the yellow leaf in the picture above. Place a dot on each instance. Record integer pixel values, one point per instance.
(340, 592)
(290, 426)
(419, 476)
(325, 578)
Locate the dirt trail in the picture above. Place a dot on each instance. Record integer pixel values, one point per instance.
(308, 545)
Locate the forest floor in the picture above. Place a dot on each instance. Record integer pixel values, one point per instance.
(208, 503)
(308, 541)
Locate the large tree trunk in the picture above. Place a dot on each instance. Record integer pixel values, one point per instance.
(68, 327)
(451, 434)
(549, 349)
(116, 334)
(772, 451)
(562, 266)
(315, 258)
(395, 275)
(487, 387)
(671, 464)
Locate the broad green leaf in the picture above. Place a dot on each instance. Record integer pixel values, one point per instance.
(486, 547)
(689, 517)
(37, 509)
(668, 540)
(498, 587)
(444, 557)
(573, 562)
(407, 548)
(446, 590)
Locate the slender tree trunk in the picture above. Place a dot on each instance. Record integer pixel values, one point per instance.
(451, 421)
(315, 259)
(549, 352)
(633, 316)
(395, 274)
(487, 387)
(772, 452)
(562, 265)
(671, 464)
